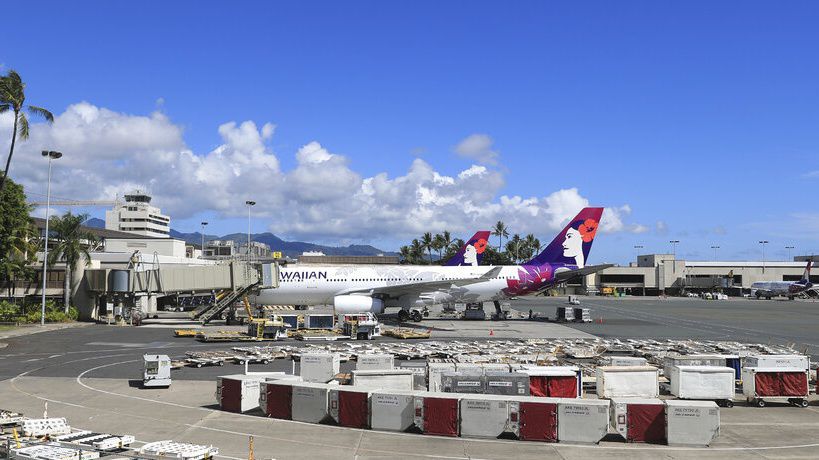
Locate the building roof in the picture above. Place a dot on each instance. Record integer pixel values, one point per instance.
(99, 232)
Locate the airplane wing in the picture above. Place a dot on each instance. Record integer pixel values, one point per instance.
(423, 286)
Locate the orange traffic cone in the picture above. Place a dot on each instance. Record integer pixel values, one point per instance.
(491, 332)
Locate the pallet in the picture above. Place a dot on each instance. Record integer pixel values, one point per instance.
(406, 334)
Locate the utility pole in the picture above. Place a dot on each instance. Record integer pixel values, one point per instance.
(763, 243)
(789, 252)
(203, 239)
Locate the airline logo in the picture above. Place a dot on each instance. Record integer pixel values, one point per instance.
(471, 252)
(303, 275)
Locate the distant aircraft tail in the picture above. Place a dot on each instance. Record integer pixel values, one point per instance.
(572, 245)
(806, 274)
(471, 252)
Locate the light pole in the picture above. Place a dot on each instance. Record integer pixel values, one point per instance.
(789, 252)
(763, 243)
(203, 239)
(52, 155)
(637, 248)
(674, 253)
(249, 204)
(715, 252)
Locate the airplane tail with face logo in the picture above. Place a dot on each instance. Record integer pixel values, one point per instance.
(806, 274)
(572, 245)
(471, 252)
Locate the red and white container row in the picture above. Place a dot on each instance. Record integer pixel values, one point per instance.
(240, 392)
(776, 378)
(672, 422)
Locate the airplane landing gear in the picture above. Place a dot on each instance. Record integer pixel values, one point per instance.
(403, 316)
(416, 316)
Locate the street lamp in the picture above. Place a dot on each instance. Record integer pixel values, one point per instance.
(249, 204)
(763, 243)
(674, 252)
(715, 252)
(203, 239)
(637, 248)
(52, 155)
(789, 252)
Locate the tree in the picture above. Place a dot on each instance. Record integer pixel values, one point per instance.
(446, 238)
(71, 247)
(493, 257)
(13, 97)
(513, 247)
(426, 242)
(501, 232)
(417, 251)
(531, 246)
(16, 231)
(453, 248)
(439, 243)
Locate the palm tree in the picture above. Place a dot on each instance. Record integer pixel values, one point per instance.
(72, 248)
(438, 243)
(447, 240)
(22, 254)
(513, 247)
(12, 97)
(417, 250)
(405, 253)
(426, 242)
(501, 232)
(532, 245)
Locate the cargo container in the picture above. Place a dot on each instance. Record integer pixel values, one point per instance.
(319, 367)
(639, 419)
(290, 321)
(489, 416)
(392, 410)
(776, 361)
(437, 413)
(309, 401)
(372, 361)
(506, 383)
(240, 392)
(276, 398)
(462, 382)
(350, 406)
(554, 381)
(319, 321)
(716, 383)
(780, 384)
(624, 361)
(691, 423)
(628, 382)
(388, 379)
(434, 371)
(479, 368)
(419, 373)
(582, 420)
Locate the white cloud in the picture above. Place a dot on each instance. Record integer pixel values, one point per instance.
(478, 147)
(811, 174)
(108, 153)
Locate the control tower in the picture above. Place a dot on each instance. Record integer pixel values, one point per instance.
(136, 215)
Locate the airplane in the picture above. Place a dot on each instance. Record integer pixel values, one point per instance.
(352, 289)
(789, 289)
(471, 252)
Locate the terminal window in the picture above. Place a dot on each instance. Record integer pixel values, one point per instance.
(622, 279)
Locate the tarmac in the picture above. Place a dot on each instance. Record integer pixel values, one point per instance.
(91, 376)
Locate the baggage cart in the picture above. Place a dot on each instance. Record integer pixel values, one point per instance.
(715, 383)
(628, 382)
(780, 384)
(178, 450)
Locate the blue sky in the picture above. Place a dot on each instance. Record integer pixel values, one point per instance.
(698, 115)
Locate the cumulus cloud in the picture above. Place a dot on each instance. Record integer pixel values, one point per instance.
(478, 147)
(108, 153)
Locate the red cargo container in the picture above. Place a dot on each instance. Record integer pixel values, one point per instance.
(639, 420)
(276, 399)
(775, 384)
(437, 413)
(553, 381)
(350, 407)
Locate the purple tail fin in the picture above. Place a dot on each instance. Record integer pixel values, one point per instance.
(806, 275)
(471, 252)
(572, 245)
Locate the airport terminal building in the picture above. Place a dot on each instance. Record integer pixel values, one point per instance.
(657, 274)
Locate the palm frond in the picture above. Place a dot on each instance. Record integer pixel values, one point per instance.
(4, 107)
(23, 122)
(34, 110)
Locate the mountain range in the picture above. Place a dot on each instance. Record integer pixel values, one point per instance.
(289, 248)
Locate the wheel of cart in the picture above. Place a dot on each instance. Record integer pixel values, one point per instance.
(799, 402)
(198, 364)
(759, 402)
(265, 361)
(403, 316)
(725, 403)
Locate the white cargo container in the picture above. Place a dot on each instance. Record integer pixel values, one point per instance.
(309, 401)
(624, 361)
(639, 419)
(392, 410)
(582, 420)
(394, 379)
(434, 371)
(716, 383)
(628, 382)
(488, 416)
(480, 368)
(319, 367)
(691, 423)
(240, 392)
(780, 384)
(372, 361)
(350, 406)
(554, 381)
(436, 413)
(419, 371)
(777, 361)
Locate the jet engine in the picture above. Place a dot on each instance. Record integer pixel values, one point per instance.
(349, 304)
